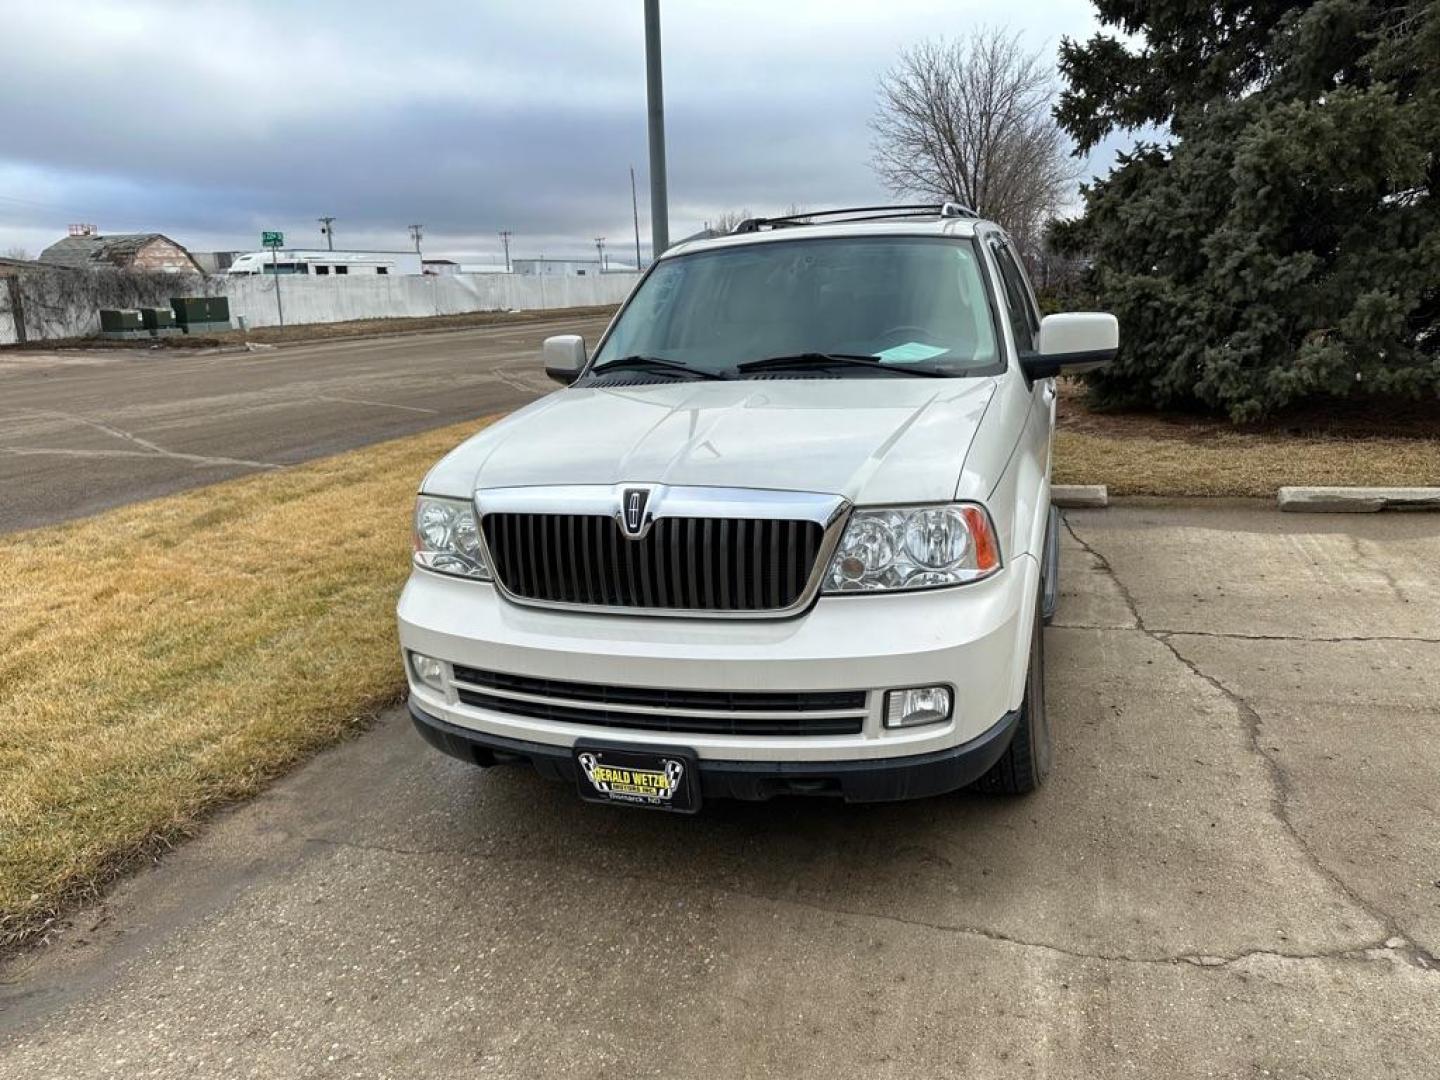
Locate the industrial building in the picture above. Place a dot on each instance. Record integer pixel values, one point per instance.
(569, 267)
(215, 262)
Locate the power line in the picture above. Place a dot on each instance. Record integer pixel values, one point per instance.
(417, 235)
(327, 230)
(600, 250)
(505, 235)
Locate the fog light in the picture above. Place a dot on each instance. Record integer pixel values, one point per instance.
(916, 706)
(428, 670)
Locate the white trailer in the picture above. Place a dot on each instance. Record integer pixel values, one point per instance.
(322, 263)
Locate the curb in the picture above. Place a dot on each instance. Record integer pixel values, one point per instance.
(1356, 500)
(1080, 496)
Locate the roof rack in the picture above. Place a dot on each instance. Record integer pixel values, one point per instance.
(858, 213)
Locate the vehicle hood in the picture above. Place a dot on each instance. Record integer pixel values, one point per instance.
(870, 440)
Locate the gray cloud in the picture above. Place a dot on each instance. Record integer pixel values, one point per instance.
(212, 121)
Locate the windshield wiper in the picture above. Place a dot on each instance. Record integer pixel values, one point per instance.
(657, 364)
(794, 361)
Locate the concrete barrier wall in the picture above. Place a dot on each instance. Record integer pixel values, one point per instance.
(8, 331)
(65, 304)
(321, 300)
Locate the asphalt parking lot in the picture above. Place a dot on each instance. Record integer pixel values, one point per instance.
(1235, 872)
(84, 430)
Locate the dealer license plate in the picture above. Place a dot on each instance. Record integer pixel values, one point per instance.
(652, 779)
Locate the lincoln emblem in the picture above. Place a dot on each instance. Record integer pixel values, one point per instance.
(634, 505)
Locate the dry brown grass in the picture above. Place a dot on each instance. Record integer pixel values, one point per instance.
(165, 658)
(1238, 464)
(1374, 443)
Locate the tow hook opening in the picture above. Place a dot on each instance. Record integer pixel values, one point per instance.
(806, 785)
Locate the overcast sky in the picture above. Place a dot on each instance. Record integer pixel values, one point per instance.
(209, 122)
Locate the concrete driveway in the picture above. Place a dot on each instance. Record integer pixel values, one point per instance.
(85, 430)
(1235, 872)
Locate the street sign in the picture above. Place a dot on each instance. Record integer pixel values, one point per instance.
(275, 241)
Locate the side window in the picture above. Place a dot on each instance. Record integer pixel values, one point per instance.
(1024, 323)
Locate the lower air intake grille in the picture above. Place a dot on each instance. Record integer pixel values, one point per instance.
(710, 712)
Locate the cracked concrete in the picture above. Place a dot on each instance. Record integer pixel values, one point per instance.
(1387, 950)
(1231, 873)
(81, 432)
(1396, 939)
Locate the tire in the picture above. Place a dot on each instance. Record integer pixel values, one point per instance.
(1026, 761)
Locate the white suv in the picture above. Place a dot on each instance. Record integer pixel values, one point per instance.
(787, 531)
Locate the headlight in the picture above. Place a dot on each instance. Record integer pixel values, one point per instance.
(447, 538)
(920, 547)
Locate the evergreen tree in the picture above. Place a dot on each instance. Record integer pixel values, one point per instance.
(1282, 241)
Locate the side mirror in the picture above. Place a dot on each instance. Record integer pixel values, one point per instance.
(564, 357)
(1071, 343)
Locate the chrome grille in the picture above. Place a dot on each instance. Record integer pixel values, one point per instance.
(681, 563)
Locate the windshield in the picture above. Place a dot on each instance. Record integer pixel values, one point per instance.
(917, 301)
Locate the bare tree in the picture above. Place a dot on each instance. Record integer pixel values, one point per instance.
(16, 253)
(726, 222)
(970, 120)
(730, 219)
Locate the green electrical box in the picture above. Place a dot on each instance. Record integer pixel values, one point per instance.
(201, 314)
(158, 318)
(121, 321)
(190, 309)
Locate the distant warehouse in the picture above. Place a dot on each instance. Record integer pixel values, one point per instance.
(450, 268)
(569, 267)
(322, 263)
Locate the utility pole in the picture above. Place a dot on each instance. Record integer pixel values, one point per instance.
(275, 276)
(327, 230)
(635, 209)
(505, 235)
(655, 94)
(417, 236)
(600, 250)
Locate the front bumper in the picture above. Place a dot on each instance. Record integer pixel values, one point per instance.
(974, 638)
(915, 776)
